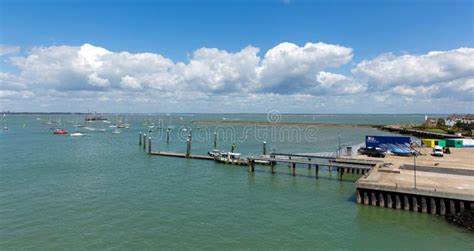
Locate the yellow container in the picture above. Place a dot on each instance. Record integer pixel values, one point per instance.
(429, 142)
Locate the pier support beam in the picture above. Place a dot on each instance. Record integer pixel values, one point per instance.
(442, 207)
(433, 206)
(424, 206)
(140, 138)
(273, 167)
(452, 207)
(144, 141)
(293, 167)
(341, 173)
(366, 198)
(381, 200)
(389, 201)
(168, 135)
(406, 203)
(398, 203)
(359, 198)
(373, 199)
(264, 148)
(309, 165)
(461, 206)
(317, 171)
(415, 204)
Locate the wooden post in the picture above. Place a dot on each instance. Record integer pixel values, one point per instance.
(317, 171)
(273, 166)
(359, 198)
(381, 200)
(149, 145)
(144, 141)
(452, 207)
(424, 206)
(373, 199)
(433, 206)
(406, 203)
(389, 201)
(309, 165)
(341, 173)
(188, 147)
(215, 140)
(415, 203)
(294, 167)
(398, 203)
(461, 206)
(264, 148)
(366, 198)
(140, 138)
(168, 135)
(442, 207)
(189, 144)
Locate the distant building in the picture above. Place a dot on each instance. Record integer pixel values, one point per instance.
(454, 119)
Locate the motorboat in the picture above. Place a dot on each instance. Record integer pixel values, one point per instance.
(78, 134)
(5, 128)
(214, 153)
(60, 131)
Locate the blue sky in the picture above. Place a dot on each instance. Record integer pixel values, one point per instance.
(177, 29)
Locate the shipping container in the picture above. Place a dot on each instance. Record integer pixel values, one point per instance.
(468, 142)
(378, 141)
(434, 142)
(454, 142)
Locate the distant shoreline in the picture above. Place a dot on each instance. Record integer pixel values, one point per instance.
(240, 122)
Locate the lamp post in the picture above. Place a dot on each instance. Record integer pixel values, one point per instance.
(414, 168)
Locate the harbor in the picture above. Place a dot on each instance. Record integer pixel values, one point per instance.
(158, 186)
(422, 183)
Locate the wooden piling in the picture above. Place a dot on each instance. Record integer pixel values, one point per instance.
(452, 207)
(414, 203)
(366, 198)
(406, 203)
(144, 141)
(317, 171)
(215, 140)
(433, 206)
(359, 198)
(149, 145)
(264, 151)
(309, 165)
(381, 200)
(273, 167)
(293, 167)
(140, 138)
(389, 201)
(461, 206)
(424, 206)
(373, 199)
(398, 203)
(442, 207)
(168, 135)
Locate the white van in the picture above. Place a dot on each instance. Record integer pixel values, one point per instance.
(438, 151)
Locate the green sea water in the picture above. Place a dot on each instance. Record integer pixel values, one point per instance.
(103, 192)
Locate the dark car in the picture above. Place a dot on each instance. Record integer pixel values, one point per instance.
(372, 152)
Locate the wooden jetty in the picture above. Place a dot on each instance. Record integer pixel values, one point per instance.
(340, 165)
(182, 155)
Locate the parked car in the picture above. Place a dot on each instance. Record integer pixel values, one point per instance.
(372, 152)
(438, 151)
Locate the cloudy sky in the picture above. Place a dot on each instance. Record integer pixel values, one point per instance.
(237, 56)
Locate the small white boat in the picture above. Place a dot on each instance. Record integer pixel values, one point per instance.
(102, 130)
(78, 134)
(5, 128)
